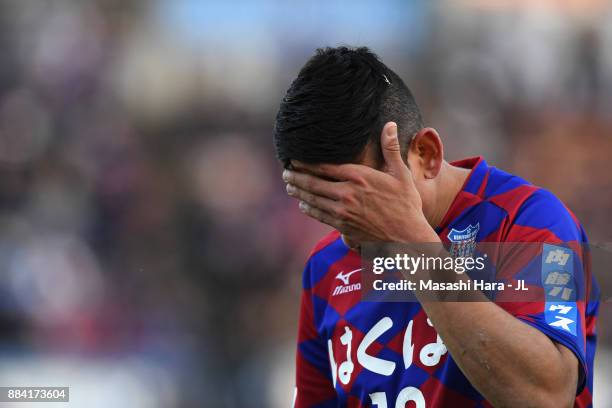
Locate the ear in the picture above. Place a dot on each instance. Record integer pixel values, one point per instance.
(428, 152)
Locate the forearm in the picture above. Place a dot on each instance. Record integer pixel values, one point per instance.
(509, 362)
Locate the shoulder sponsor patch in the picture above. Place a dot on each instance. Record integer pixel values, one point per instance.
(559, 287)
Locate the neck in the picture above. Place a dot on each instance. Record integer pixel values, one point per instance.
(451, 179)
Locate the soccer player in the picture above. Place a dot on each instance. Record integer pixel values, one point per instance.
(359, 158)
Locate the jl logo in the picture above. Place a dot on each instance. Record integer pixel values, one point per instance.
(463, 242)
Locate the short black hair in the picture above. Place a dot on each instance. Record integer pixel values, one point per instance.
(339, 103)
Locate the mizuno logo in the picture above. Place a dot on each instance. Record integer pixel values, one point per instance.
(346, 287)
(345, 277)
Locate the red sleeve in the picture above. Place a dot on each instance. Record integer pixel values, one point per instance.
(314, 385)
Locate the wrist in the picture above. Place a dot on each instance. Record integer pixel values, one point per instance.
(422, 233)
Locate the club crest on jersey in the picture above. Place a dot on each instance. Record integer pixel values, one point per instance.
(346, 285)
(463, 242)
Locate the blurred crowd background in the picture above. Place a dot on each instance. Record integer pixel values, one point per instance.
(148, 254)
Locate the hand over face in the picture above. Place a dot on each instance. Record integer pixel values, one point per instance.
(364, 204)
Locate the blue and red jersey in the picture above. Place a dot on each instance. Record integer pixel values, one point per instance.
(353, 353)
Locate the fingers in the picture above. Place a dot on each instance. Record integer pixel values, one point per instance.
(390, 146)
(313, 184)
(319, 215)
(338, 172)
(331, 207)
(326, 218)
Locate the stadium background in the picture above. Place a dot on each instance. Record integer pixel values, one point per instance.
(148, 254)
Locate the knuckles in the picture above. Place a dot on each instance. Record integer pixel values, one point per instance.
(347, 197)
(307, 183)
(342, 215)
(360, 180)
(310, 198)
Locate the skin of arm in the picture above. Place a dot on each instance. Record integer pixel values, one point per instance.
(511, 363)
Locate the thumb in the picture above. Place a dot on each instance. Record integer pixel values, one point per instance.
(389, 143)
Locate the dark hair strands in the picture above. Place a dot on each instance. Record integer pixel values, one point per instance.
(338, 103)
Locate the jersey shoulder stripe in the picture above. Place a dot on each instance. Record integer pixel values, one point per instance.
(324, 242)
(329, 250)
